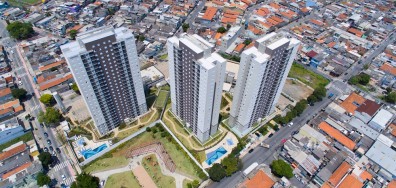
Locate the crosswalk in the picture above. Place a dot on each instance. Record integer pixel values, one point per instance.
(60, 166)
(34, 108)
(68, 181)
(19, 68)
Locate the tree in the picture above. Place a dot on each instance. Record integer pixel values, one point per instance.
(230, 164)
(20, 30)
(75, 88)
(85, 180)
(280, 168)
(247, 42)
(47, 99)
(366, 66)
(185, 27)
(45, 158)
(217, 172)
(148, 129)
(388, 90)
(221, 30)
(51, 116)
(312, 99)
(18, 93)
(43, 179)
(319, 93)
(228, 26)
(73, 34)
(390, 97)
(300, 107)
(362, 79)
(141, 38)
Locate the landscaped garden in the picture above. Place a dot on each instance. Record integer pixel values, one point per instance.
(123, 179)
(150, 163)
(116, 157)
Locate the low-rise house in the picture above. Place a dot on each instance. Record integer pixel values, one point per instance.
(9, 130)
(366, 111)
(5, 95)
(381, 120)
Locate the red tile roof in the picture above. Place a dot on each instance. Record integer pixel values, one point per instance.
(5, 91)
(356, 32)
(369, 107)
(392, 184)
(337, 135)
(16, 170)
(386, 67)
(259, 180)
(338, 174)
(49, 66)
(12, 152)
(350, 182)
(352, 102)
(317, 22)
(331, 44)
(209, 13)
(239, 48)
(311, 54)
(55, 82)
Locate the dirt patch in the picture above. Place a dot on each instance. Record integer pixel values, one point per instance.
(283, 102)
(296, 90)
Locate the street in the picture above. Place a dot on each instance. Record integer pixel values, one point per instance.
(33, 107)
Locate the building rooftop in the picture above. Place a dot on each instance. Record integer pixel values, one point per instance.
(384, 156)
(11, 151)
(350, 182)
(209, 13)
(364, 128)
(260, 179)
(5, 91)
(337, 135)
(338, 174)
(382, 118)
(369, 107)
(352, 102)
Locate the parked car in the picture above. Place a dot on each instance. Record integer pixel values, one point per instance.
(63, 177)
(45, 149)
(251, 150)
(58, 150)
(51, 148)
(46, 134)
(49, 142)
(270, 135)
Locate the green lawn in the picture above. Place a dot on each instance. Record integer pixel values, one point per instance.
(306, 76)
(150, 100)
(224, 103)
(106, 162)
(150, 163)
(116, 156)
(185, 182)
(124, 179)
(80, 131)
(26, 137)
(23, 2)
(161, 99)
(146, 118)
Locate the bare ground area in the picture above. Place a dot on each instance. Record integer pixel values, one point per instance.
(296, 90)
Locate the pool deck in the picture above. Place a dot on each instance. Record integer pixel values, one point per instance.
(225, 145)
(89, 145)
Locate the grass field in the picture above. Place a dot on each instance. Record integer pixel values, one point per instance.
(124, 179)
(116, 157)
(306, 76)
(185, 182)
(150, 163)
(160, 102)
(26, 137)
(19, 3)
(150, 100)
(106, 164)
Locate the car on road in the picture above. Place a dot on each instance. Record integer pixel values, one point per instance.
(12, 51)
(63, 177)
(45, 149)
(42, 125)
(251, 150)
(20, 83)
(270, 135)
(58, 150)
(49, 142)
(51, 148)
(46, 134)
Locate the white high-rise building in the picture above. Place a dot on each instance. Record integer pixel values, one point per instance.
(105, 65)
(262, 74)
(196, 80)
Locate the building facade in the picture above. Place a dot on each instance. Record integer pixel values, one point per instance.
(196, 80)
(105, 65)
(262, 74)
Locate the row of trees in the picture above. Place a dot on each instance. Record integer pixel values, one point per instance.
(297, 110)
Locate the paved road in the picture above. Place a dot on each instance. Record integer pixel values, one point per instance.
(33, 107)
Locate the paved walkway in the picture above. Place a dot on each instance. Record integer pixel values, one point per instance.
(135, 166)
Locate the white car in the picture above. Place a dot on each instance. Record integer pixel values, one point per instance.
(63, 177)
(20, 83)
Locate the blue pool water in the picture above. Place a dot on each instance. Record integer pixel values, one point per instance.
(214, 155)
(230, 142)
(81, 142)
(89, 152)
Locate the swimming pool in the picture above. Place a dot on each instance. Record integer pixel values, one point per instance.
(89, 152)
(214, 155)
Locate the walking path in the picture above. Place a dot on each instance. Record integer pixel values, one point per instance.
(135, 166)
